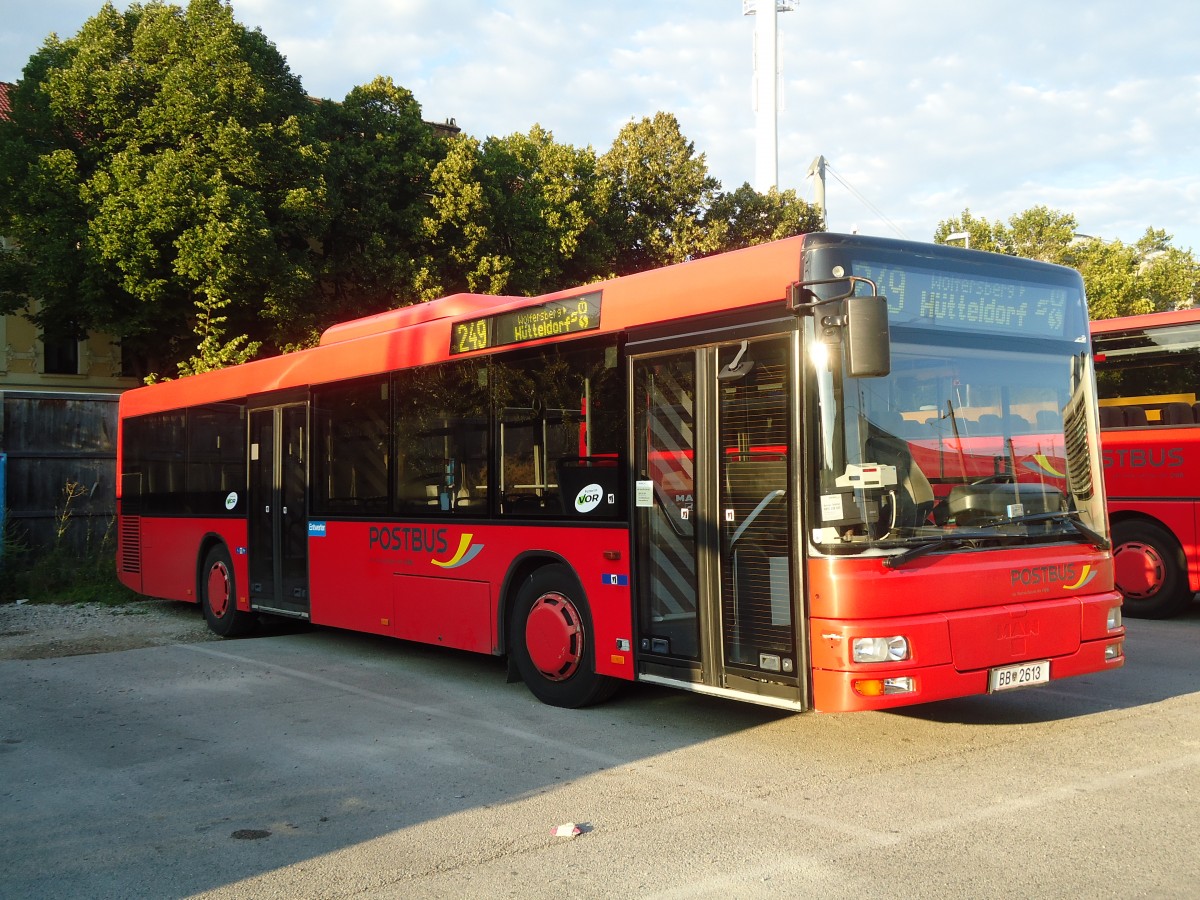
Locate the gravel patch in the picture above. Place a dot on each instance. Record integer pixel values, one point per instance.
(44, 630)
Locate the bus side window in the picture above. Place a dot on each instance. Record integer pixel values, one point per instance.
(353, 425)
(560, 417)
(442, 439)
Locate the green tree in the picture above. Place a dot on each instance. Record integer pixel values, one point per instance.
(661, 194)
(172, 150)
(379, 162)
(1121, 279)
(744, 217)
(980, 233)
(520, 215)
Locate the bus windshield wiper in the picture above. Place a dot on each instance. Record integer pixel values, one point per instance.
(929, 546)
(1071, 517)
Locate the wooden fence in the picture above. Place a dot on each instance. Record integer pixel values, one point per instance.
(59, 459)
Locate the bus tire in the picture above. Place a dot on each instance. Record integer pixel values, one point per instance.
(218, 596)
(552, 641)
(1150, 570)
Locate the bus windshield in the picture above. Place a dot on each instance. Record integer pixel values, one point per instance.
(967, 442)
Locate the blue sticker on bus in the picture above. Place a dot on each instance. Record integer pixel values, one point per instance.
(615, 580)
(316, 529)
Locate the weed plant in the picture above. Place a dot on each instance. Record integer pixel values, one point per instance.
(70, 570)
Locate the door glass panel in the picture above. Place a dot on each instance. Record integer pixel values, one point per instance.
(756, 596)
(293, 516)
(665, 392)
(262, 506)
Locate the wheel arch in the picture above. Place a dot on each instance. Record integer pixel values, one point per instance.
(207, 542)
(521, 569)
(1180, 531)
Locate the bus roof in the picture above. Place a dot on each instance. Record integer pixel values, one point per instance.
(420, 334)
(1146, 320)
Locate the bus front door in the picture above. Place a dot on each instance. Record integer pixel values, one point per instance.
(278, 544)
(717, 599)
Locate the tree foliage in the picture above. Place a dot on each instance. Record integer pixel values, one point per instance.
(379, 155)
(521, 214)
(745, 217)
(171, 147)
(661, 194)
(164, 177)
(1121, 279)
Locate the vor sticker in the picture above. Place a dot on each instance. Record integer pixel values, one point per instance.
(589, 498)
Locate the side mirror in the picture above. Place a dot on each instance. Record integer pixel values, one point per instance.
(868, 341)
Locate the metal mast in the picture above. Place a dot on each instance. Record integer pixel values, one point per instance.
(766, 88)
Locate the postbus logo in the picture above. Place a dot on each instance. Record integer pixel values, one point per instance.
(1042, 465)
(1069, 576)
(432, 543)
(464, 554)
(588, 498)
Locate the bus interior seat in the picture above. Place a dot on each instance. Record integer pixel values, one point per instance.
(1176, 414)
(914, 497)
(1110, 417)
(990, 423)
(577, 472)
(1135, 417)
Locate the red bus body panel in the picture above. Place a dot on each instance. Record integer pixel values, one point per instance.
(1046, 603)
(1154, 472)
(442, 582)
(169, 550)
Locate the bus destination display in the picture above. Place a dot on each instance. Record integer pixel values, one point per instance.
(970, 301)
(552, 319)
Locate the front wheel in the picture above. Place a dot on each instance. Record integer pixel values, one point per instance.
(218, 596)
(1150, 570)
(551, 638)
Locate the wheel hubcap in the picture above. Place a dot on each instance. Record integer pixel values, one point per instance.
(218, 590)
(554, 636)
(1140, 570)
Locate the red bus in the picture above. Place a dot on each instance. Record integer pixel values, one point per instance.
(1148, 373)
(830, 472)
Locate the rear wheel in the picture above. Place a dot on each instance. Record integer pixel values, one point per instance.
(551, 639)
(218, 596)
(1150, 570)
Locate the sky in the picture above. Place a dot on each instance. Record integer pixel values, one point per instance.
(921, 109)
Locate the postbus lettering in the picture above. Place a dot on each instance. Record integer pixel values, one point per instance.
(408, 538)
(1144, 458)
(1029, 576)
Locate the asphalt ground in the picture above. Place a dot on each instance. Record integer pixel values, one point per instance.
(322, 764)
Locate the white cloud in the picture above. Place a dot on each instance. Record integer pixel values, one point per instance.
(923, 109)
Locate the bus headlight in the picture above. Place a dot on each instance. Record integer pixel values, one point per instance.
(1114, 618)
(880, 649)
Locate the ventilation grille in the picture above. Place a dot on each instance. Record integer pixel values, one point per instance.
(1079, 467)
(131, 545)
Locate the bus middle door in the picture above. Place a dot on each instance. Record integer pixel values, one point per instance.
(278, 544)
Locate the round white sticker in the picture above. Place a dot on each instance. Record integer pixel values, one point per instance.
(589, 498)
(231, 500)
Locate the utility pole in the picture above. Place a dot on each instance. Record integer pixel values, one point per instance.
(766, 89)
(816, 169)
